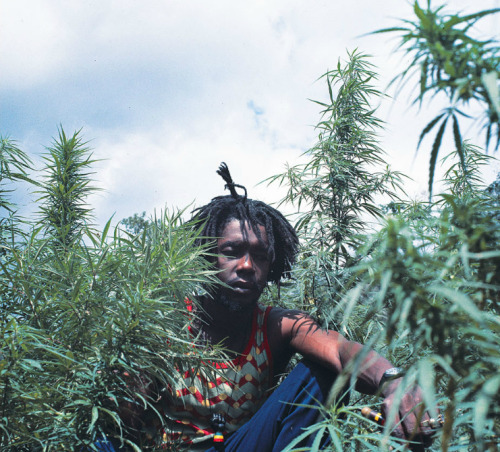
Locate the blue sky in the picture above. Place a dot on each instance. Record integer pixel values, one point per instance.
(165, 90)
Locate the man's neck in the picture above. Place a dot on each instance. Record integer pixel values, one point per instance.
(221, 324)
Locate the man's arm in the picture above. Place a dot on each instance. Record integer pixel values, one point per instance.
(132, 412)
(302, 334)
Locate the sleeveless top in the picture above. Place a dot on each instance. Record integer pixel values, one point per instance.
(236, 389)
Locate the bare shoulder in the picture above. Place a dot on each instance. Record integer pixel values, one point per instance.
(279, 313)
(284, 325)
(290, 321)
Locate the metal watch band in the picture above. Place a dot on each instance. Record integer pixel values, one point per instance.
(391, 374)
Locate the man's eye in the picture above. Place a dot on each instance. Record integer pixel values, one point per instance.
(229, 252)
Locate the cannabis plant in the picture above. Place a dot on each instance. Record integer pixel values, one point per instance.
(449, 61)
(67, 184)
(423, 289)
(92, 323)
(441, 295)
(335, 191)
(434, 280)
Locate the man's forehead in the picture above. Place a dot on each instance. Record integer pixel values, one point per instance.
(236, 230)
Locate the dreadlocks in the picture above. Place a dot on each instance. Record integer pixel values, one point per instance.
(283, 241)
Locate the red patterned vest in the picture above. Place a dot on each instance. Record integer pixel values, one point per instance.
(235, 389)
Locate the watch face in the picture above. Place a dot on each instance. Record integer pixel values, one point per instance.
(391, 374)
(394, 372)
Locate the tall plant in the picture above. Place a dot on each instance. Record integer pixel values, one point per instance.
(67, 184)
(89, 332)
(424, 288)
(335, 191)
(447, 60)
(435, 279)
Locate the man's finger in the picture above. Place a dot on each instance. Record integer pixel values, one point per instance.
(434, 423)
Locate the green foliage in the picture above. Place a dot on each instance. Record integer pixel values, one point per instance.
(90, 319)
(435, 280)
(14, 165)
(449, 61)
(437, 284)
(84, 332)
(64, 191)
(335, 190)
(423, 289)
(348, 431)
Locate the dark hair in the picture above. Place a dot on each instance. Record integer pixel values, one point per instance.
(283, 241)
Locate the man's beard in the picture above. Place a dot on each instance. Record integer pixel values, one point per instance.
(233, 306)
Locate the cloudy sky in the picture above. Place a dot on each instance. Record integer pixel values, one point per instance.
(164, 90)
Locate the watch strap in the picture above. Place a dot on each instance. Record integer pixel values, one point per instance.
(391, 374)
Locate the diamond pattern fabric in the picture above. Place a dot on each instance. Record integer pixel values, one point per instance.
(235, 389)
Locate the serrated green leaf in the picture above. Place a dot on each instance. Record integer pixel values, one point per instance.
(458, 141)
(434, 153)
(428, 128)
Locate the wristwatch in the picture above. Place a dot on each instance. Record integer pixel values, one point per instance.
(391, 374)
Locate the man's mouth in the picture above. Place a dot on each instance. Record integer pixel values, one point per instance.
(243, 286)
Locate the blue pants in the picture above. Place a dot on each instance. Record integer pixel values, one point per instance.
(284, 415)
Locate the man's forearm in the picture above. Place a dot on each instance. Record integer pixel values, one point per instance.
(371, 370)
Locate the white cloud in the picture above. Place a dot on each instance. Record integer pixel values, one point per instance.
(33, 42)
(166, 89)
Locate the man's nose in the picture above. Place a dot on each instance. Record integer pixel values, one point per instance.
(246, 263)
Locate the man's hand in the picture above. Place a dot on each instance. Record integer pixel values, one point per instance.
(132, 412)
(412, 422)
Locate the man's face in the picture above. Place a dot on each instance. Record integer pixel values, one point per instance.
(244, 264)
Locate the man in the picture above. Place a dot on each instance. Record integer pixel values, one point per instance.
(256, 245)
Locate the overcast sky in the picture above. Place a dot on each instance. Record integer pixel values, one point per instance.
(165, 90)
